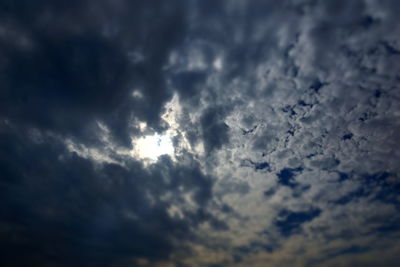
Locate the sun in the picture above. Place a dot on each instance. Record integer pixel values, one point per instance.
(150, 146)
(153, 146)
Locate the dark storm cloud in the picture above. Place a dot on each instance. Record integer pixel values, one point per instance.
(66, 68)
(189, 84)
(294, 102)
(214, 129)
(59, 209)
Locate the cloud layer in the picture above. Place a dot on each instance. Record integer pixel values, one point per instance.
(284, 117)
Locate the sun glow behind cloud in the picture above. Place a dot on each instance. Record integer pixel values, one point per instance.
(153, 146)
(243, 133)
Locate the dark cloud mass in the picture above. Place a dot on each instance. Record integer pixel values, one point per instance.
(199, 133)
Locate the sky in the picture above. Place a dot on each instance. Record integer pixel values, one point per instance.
(202, 133)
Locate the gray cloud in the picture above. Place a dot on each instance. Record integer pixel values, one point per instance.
(285, 121)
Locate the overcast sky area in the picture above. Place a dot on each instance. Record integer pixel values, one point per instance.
(202, 133)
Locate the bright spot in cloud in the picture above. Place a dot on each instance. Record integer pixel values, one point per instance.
(137, 94)
(218, 64)
(153, 146)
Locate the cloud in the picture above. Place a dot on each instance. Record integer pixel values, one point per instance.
(61, 209)
(289, 222)
(284, 117)
(76, 72)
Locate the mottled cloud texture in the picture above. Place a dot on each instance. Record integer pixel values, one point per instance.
(284, 117)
